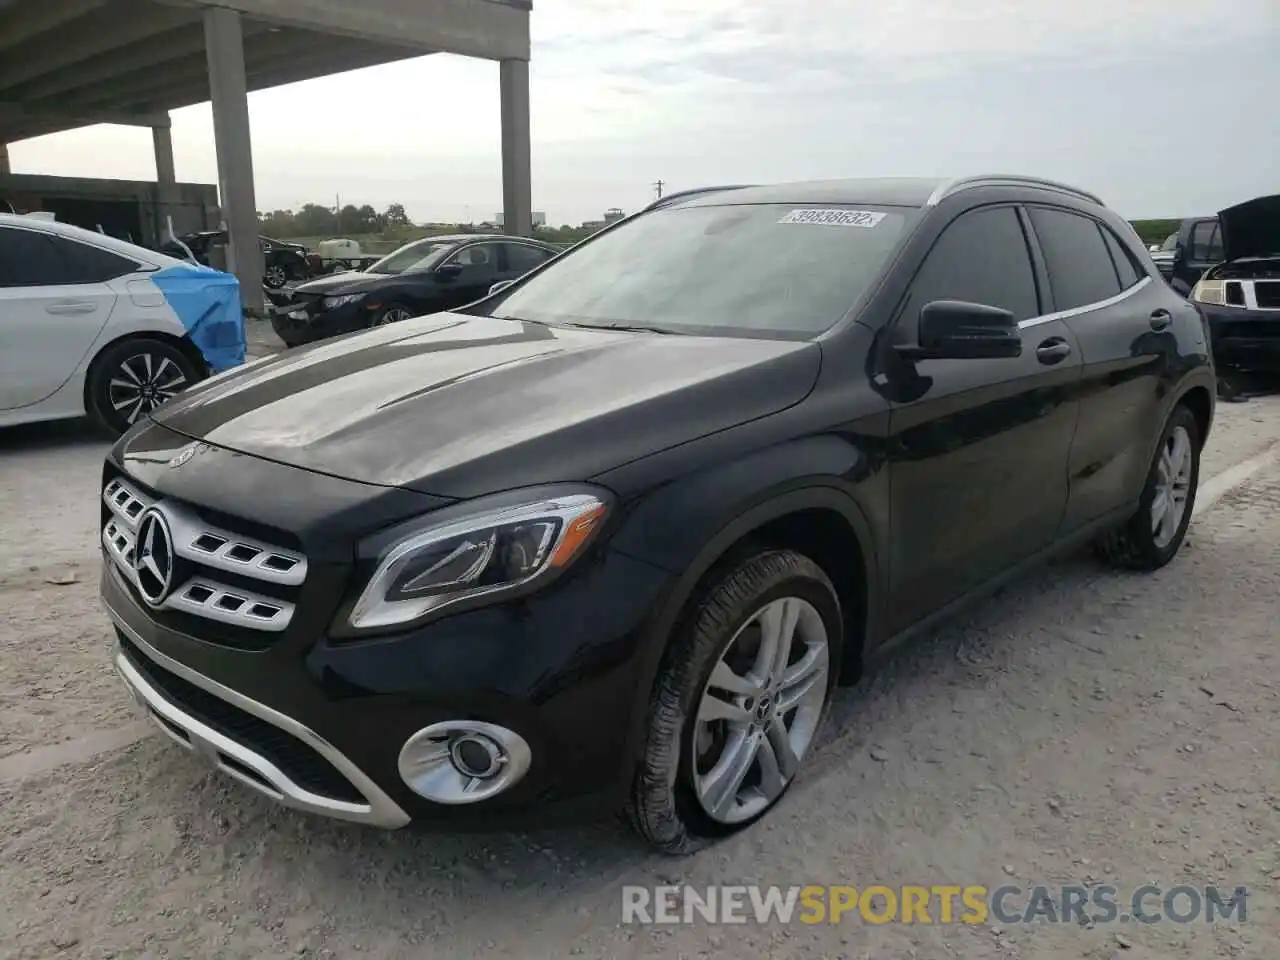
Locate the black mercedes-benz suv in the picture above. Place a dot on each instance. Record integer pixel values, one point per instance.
(608, 538)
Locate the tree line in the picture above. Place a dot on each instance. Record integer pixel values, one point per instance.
(315, 220)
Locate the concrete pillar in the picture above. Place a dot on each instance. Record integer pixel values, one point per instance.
(166, 198)
(4, 158)
(517, 178)
(228, 89)
(162, 140)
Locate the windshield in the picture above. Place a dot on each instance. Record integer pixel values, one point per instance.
(1170, 242)
(413, 257)
(765, 269)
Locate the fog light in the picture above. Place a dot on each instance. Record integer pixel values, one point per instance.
(463, 761)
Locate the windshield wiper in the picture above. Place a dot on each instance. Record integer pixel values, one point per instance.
(625, 327)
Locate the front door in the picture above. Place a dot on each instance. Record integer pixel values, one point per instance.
(978, 448)
(477, 271)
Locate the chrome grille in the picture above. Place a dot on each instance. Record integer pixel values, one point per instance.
(211, 548)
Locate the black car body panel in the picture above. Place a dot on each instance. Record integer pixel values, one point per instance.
(918, 482)
(508, 403)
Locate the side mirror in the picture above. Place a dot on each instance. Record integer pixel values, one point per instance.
(500, 286)
(956, 330)
(449, 271)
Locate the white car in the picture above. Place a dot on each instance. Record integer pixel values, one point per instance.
(94, 325)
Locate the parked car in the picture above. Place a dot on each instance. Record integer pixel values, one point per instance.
(283, 262)
(426, 276)
(611, 536)
(93, 325)
(1163, 254)
(1188, 253)
(1240, 295)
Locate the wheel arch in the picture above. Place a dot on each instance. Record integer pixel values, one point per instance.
(823, 522)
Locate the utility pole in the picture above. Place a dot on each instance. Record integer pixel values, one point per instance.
(658, 185)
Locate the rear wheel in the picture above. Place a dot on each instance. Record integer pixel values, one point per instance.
(1153, 535)
(275, 276)
(738, 702)
(134, 377)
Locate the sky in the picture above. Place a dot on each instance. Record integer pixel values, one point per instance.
(1165, 108)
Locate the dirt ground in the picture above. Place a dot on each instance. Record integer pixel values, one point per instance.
(1083, 727)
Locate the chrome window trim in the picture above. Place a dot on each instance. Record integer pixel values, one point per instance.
(1085, 308)
(380, 809)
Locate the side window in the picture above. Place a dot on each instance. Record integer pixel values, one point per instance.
(86, 264)
(478, 261)
(1080, 268)
(982, 258)
(1216, 253)
(1202, 239)
(1120, 256)
(521, 258)
(29, 259)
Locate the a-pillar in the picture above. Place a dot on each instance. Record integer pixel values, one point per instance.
(517, 182)
(228, 89)
(166, 179)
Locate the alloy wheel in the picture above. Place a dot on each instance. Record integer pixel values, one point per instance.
(142, 382)
(760, 710)
(275, 276)
(1173, 485)
(392, 315)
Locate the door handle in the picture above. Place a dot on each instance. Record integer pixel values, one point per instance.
(1053, 351)
(1161, 319)
(70, 306)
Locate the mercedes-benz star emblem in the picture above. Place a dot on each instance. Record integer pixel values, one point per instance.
(153, 557)
(184, 455)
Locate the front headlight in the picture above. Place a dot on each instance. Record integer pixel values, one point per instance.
(1210, 291)
(483, 556)
(331, 303)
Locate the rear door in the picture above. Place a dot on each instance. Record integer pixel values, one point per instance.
(520, 258)
(1125, 323)
(978, 448)
(54, 301)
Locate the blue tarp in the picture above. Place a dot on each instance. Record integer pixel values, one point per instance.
(207, 303)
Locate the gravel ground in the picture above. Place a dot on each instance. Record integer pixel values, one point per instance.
(1082, 726)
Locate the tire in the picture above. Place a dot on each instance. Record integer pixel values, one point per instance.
(1142, 543)
(275, 276)
(133, 377)
(390, 313)
(678, 801)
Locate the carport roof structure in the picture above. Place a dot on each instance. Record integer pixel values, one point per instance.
(70, 63)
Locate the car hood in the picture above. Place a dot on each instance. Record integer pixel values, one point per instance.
(340, 283)
(1251, 229)
(460, 406)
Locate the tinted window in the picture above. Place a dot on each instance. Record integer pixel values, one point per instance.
(521, 258)
(980, 258)
(29, 259)
(86, 264)
(1206, 242)
(1120, 256)
(1080, 268)
(784, 270)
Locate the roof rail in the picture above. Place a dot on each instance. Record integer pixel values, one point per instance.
(1006, 180)
(686, 194)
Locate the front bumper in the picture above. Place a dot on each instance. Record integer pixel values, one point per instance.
(147, 672)
(316, 325)
(1244, 340)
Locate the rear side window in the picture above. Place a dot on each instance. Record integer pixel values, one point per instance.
(29, 259)
(521, 257)
(981, 258)
(86, 264)
(1081, 271)
(1126, 269)
(1206, 241)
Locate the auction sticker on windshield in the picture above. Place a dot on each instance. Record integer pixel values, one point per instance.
(834, 217)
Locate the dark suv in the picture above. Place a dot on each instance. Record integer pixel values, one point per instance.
(609, 537)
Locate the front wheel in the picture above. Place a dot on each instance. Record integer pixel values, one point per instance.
(134, 377)
(738, 702)
(1153, 535)
(391, 313)
(275, 276)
